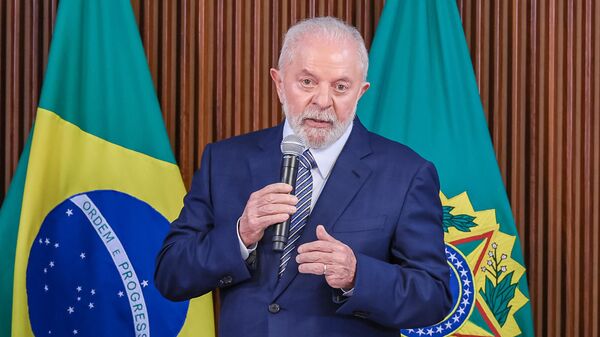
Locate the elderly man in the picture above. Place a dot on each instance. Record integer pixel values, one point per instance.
(365, 255)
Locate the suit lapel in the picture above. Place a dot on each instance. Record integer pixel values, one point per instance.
(264, 164)
(346, 179)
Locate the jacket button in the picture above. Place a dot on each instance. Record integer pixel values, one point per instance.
(274, 308)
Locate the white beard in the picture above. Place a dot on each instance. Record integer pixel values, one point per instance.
(316, 138)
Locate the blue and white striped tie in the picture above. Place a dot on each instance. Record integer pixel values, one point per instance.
(304, 187)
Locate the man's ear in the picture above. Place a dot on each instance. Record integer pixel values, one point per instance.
(365, 86)
(363, 89)
(277, 78)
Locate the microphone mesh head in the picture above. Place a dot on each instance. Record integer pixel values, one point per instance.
(292, 145)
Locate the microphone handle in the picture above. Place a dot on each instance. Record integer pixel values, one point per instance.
(289, 171)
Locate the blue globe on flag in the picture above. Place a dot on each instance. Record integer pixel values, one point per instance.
(90, 270)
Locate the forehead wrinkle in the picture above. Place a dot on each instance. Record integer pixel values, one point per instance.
(307, 71)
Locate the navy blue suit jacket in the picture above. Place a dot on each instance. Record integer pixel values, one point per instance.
(381, 199)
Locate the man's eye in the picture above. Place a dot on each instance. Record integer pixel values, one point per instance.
(341, 87)
(306, 82)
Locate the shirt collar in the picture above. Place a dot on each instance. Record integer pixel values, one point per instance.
(325, 157)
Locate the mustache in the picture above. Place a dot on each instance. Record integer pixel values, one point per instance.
(326, 115)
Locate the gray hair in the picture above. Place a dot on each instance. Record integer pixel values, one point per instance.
(328, 27)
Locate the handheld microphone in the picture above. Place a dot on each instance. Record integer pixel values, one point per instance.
(292, 146)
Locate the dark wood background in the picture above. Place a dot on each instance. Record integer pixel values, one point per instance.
(537, 64)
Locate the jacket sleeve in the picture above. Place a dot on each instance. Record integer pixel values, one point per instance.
(412, 289)
(198, 255)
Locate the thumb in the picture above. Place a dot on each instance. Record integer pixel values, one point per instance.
(323, 235)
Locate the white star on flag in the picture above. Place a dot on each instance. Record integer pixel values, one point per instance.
(70, 310)
(120, 293)
(45, 287)
(51, 264)
(82, 255)
(69, 212)
(93, 291)
(452, 257)
(448, 325)
(47, 241)
(144, 283)
(91, 305)
(56, 245)
(78, 288)
(75, 332)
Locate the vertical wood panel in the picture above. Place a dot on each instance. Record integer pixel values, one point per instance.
(537, 64)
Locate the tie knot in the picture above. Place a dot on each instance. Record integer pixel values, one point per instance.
(307, 160)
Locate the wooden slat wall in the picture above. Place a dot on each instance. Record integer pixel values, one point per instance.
(537, 63)
(25, 32)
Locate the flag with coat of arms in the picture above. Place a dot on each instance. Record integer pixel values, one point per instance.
(424, 94)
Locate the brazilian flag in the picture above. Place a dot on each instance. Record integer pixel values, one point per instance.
(424, 94)
(94, 192)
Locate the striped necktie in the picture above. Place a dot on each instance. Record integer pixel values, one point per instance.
(304, 187)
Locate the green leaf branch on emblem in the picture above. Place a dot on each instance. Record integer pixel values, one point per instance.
(461, 222)
(498, 293)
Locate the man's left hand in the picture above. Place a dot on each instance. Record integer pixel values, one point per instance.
(329, 257)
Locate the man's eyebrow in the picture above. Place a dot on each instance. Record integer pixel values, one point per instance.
(344, 79)
(306, 72)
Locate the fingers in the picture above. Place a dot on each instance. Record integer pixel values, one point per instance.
(337, 276)
(319, 245)
(273, 188)
(272, 199)
(337, 257)
(270, 205)
(325, 243)
(323, 235)
(313, 268)
(273, 209)
(277, 198)
(330, 257)
(268, 220)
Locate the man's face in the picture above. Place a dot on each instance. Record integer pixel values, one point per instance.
(319, 89)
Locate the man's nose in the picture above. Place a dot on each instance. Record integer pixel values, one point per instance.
(322, 97)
